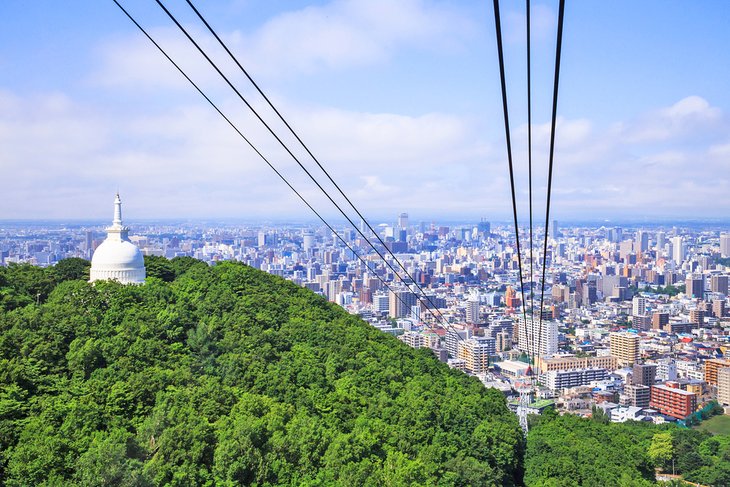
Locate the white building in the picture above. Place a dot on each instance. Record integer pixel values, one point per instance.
(475, 352)
(538, 338)
(563, 379)
(117, 258)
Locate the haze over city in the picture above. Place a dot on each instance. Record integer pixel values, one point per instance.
(400, 100)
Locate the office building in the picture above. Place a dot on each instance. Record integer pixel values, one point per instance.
(625, 347)
(695, 287)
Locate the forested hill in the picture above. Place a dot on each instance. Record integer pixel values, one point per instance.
(225, 375)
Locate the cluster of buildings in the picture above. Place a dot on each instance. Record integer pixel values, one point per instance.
(632, 320)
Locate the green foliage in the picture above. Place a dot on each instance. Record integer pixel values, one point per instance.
(228, 376)
(568, 450)
(661, 450)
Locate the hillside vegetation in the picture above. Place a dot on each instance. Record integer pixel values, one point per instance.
(224, 376)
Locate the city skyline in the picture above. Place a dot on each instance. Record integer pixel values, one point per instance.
(399, 101)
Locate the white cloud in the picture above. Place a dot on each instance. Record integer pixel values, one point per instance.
(334, 36)
(690, 116)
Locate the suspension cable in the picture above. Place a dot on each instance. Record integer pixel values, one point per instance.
(277, 172)
(505, 110)
(306, 171)
(306, 148)
(559, 43)
(529, 173)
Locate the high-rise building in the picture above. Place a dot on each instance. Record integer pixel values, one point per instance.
(660, 241)
(554, 229)
(307, 240)
(536, 338)
(400, 303)
(643, 374)
(718, 308)
(723, 386)
(381, 303)
(695, 287)
(453, 337)
(625, 347)
(719, 284)
(403, 221)
(697, 316)
(475, 352)
(638, 395)
(472, 310)
(677, 250)
(642, 241)
(725, 245)
(659, 320)
(556, 380)
(638, 307)
(711, 367)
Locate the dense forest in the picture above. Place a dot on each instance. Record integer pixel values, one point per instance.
(225, 375)
(571, 451)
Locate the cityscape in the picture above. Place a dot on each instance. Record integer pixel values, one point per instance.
(364, 243)
(634, 321)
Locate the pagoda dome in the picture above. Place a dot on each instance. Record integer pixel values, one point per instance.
(117, 258)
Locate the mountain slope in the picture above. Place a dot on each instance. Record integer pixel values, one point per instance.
(229, 376)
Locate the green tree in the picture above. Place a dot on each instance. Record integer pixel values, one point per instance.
(73, 268)
(661, 450)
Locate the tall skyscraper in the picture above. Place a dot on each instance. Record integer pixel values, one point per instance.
(725, 245)
(554, 229)
(642, 241)
(678, 250)
(403, 221)
(660, 241)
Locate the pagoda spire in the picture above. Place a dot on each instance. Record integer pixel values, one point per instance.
(117, 222)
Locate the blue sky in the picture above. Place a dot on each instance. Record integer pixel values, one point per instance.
(400, 100)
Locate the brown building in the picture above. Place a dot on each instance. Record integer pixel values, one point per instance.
(672, 401)
(719, 284)
(697, 316)
(643, 374)
(695, 287)
(711, 367)
(659, 320)
(718, 308)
